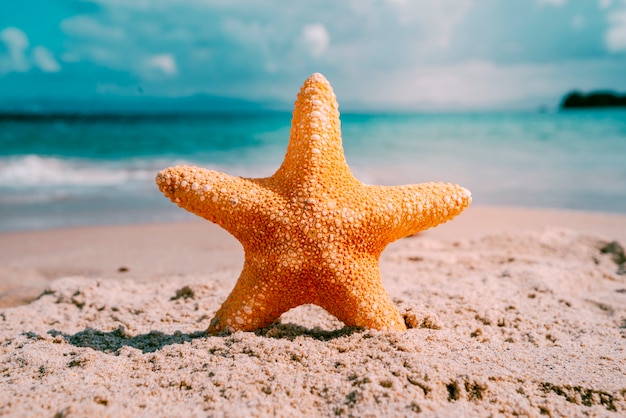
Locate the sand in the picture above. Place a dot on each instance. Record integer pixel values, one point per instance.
(512, 312)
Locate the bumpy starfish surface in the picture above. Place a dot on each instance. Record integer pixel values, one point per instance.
(311, 233)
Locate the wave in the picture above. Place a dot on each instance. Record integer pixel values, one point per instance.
(34, 171)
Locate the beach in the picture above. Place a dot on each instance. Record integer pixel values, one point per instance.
(427, 205)
(511, 312)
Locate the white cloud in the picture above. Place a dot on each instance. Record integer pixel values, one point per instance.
(472, 83)
(557, 3)
(16, 43)
(235, 47)
(615, 37)
(406, 52)
(433, 22)
(14, 38)
(19, 59)
(163, 63)
(316, 38)
(88, 27)
(43, 58)
(476, 84)
(104, 42)
(605, 4)
(578, 22)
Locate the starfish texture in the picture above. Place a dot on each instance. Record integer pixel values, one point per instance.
(311, 233)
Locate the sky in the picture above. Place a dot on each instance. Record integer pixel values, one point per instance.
(377, 54)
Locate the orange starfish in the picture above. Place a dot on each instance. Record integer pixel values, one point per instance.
(312, 233)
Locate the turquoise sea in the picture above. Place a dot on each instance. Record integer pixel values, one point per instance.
(58, 171)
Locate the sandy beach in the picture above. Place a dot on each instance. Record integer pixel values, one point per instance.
(512, 312)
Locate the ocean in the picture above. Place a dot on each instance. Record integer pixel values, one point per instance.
(60, 171)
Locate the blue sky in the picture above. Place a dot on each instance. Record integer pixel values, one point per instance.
(378, 54)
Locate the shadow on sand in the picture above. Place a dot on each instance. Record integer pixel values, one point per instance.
(111, 341)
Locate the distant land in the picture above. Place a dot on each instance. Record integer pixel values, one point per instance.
(200, 104)
(576, 99)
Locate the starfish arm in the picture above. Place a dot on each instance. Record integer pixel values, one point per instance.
(358, 297)
(404, 210)
(315, 151)
(236, 204)
(262, 293)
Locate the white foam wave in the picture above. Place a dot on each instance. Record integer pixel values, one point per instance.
(38, 171)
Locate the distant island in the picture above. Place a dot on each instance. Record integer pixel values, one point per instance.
(576, 100)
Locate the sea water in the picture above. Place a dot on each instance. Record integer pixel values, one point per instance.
(65, 171)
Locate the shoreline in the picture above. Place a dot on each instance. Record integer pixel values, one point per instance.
(516, 213)
(30, 260)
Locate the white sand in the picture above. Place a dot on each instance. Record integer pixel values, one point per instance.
(510, 316)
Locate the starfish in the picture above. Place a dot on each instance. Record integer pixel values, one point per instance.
(311, 233)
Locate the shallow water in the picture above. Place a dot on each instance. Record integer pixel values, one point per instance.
(57, 172)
